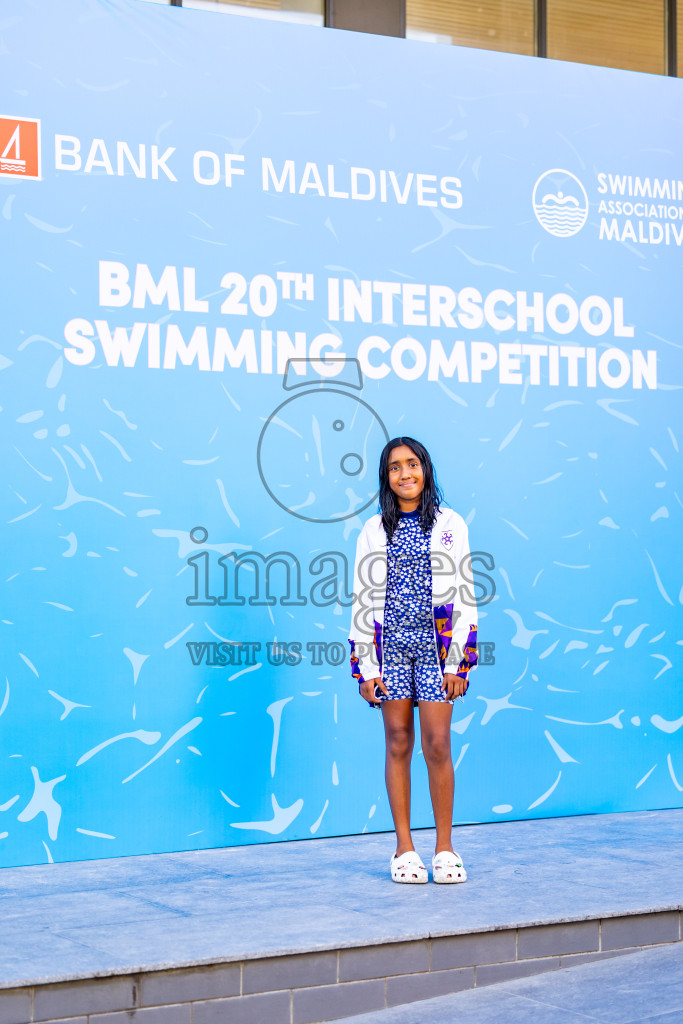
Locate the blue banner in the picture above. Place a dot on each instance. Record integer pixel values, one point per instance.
(241, 255)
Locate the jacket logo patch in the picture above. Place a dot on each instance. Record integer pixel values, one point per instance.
(447, 539)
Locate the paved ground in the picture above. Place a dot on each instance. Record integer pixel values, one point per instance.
(640, 988)
(132, 914)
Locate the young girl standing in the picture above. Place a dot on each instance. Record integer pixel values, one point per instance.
(412, 608)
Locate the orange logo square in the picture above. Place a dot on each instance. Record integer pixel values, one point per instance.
(19, 147)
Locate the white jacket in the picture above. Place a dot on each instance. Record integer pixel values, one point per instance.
(453, 599)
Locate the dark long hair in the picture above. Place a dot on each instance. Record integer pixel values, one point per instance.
(430, 499)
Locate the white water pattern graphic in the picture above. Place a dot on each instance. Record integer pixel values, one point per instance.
(561, 215)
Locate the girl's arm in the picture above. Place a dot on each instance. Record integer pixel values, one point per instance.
(464, 639)
(364, 662)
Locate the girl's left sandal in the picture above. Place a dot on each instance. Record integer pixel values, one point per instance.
(408, 868)
(447, 868)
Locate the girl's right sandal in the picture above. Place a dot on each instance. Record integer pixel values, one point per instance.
(448, 867)
(408, 868)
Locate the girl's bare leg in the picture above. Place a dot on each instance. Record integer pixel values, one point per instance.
(399, 731)
(435, 728)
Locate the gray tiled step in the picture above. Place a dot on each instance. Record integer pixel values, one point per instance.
(229, 905)
(311, 988)
(301, 932)
(644, 987)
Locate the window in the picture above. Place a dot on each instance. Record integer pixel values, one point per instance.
(614, 33)
(308, 12)
(487, 24)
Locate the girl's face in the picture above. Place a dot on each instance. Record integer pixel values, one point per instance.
(406, 478)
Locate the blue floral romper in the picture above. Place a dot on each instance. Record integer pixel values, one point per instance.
(409, 665)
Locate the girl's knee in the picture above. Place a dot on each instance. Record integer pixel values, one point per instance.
(400, 742)
(437, 749)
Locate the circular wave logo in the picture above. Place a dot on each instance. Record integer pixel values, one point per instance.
(560, 203)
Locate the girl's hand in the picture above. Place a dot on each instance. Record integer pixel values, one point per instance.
(454, 686)
(367, 689)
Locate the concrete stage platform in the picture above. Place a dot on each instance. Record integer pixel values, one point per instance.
(297, 933)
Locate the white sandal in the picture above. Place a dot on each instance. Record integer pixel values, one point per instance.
(448, 867)
(408, 868)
